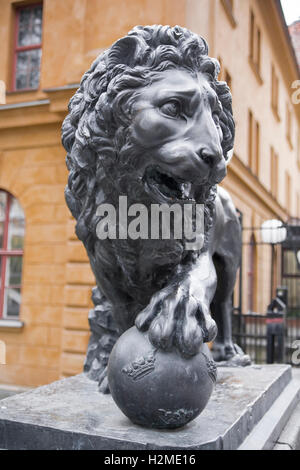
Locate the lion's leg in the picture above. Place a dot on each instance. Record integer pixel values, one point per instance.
(221, 308)
(224, 350)
(178, 315)
(226, 259)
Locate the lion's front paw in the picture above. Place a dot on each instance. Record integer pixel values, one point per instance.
(177, 318)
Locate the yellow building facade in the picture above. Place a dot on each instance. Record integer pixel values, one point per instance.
(249, 38)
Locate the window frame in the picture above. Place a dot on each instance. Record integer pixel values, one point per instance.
(254, 138)
(274, 173)
(250, 138)
(255, 47)
(285, 273)
(257, 149)
(288, 191)
(228, 79)
(17, 49)
(4, 254)
(298, 149)
(224, 75)
(228, 6)
(289, 125)
(275, 93)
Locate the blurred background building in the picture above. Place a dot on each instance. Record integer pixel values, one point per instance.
(45, 277)
(294, 30)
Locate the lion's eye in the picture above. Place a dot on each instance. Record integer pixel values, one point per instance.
(172, 108)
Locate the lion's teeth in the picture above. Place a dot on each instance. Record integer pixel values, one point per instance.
(186, 189)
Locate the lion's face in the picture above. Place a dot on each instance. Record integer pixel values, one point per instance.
(176, 127)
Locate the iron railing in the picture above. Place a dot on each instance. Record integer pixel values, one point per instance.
(250, 333)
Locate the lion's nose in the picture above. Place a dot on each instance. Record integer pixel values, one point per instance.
(211, 158)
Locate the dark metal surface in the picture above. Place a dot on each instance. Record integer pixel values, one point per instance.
(151, 121)
(159, 389)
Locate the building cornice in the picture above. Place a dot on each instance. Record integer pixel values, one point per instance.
(72, 86)
(287, 35)
(255, 187)
(60, 96)
(51, 109)
(24, 104)
(273, 16)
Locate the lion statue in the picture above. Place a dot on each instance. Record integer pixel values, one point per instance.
(150, 121)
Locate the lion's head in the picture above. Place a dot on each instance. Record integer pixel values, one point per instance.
(150, 121)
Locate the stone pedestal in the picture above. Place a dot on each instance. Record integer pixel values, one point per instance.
(71, 414)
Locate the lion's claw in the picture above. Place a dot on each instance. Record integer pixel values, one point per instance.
(146, 316)
(162, 329)
(190, 337)
(177, 319)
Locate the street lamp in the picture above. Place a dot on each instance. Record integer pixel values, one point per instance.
(273, 232)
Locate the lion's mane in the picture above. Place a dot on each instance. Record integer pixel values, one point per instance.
(95, 132)
(100, 159)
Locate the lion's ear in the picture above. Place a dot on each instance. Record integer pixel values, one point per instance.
(125, 51)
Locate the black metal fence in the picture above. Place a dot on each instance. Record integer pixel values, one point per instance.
(250, 333)
(271, 338)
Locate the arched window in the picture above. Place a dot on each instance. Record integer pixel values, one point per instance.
(12, 228)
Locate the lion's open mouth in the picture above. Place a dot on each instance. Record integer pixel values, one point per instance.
(166, 186)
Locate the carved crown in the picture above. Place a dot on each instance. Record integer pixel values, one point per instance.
(141, 367)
